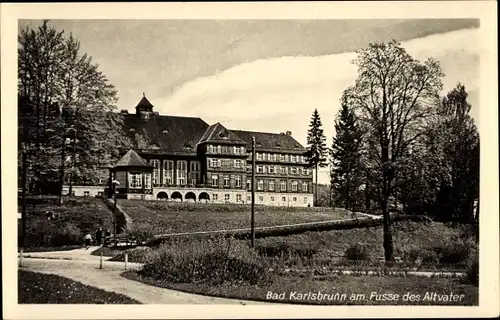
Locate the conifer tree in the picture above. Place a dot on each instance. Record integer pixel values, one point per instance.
(316, 147)
(346, 157)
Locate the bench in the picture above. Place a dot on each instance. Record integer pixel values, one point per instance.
(121, 240)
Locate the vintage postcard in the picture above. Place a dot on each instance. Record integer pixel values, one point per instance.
(249, 160)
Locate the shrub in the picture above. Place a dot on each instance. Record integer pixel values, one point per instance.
(211, 261)
(140, 254)
(356, 252)
(453, 253)
(422, 256)
(472, 270)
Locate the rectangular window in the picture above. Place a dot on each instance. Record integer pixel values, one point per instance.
(249, 198)
(261, 198)
(295, 185)
(249, 168)
(238, 198)
(227, 197)
(269, 157)
(259, 156)
(283, 185)
(224, 149)
(238, 181)
(271, 169)
(168, 171)
(305, 199)
(283, 199)
(226, 181)
(260, 169)
(275, 157)
(282, 157)
(237, 164)
(272, 198)
(249, 184)
(282, 170)
(286, 158)
(271, 185)
(293, 158)
(215, 196)
(86, 193)
(194, 172)
(147, 180)
(135, 180)
(181, 172)
(215, 181)
(260, 185)
(294, 199)
(304, 186)
(219, 149)
(304, 171)
(293, 170)
(156, 171)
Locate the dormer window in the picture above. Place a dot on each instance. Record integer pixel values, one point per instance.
(165, 131)
(224, 134)
(188, 145)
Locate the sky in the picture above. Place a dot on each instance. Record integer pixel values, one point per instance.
(261, 75)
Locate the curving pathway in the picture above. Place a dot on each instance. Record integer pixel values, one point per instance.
(80, 266)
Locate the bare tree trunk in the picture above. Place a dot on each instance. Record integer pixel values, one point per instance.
(388, 245)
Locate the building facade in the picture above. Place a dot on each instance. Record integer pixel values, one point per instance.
(194, 161)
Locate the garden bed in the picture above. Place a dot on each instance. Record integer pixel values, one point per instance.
(296, 290)
(39, 288)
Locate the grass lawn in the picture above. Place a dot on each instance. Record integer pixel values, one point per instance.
(293, 287)
(75, 218)
(167, 217)
(38, 288)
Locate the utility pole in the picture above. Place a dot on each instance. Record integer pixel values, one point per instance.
(23, 215)
(252, 226)
(73, 158)
(61, 178)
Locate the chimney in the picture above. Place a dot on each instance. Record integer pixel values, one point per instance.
(289, 133)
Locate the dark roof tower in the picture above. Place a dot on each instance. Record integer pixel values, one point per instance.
(144, 105)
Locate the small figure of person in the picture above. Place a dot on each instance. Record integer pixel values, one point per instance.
(88, 239)
(98, 236)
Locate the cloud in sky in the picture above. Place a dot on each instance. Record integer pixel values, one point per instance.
(279, 94)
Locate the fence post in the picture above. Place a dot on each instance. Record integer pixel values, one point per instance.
(100, 262)
(126, 260)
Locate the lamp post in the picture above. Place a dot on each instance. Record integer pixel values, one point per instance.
(252, 222)
(115, 184)
(70, 193)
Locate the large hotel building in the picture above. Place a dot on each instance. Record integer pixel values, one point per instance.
(185, 159)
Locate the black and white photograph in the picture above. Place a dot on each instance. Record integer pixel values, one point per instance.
(258, 162)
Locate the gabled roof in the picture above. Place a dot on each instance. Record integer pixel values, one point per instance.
(144, 104)
(218, 133)
(132, 159)
(171, 134)
(270, 141)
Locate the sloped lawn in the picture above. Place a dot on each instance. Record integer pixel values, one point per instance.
(160, 217)
(74, 219)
